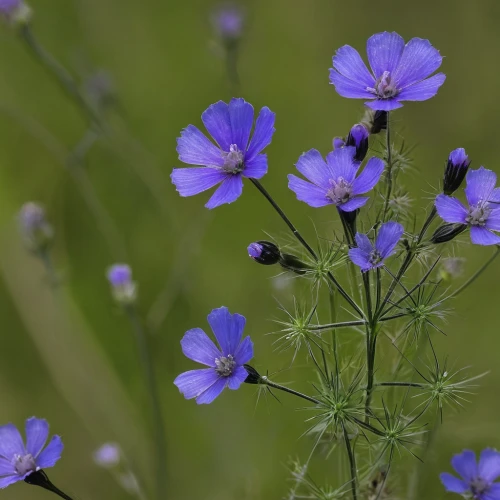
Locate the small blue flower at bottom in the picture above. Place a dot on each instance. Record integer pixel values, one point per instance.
(17, 460)
(477, 478)
(368, 256)
(225, 363)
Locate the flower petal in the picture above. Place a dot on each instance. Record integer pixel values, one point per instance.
(11, 442)
(228, 329)
(8, 480)
(195, 149)
(384, 104)
(241, 116)
(364, 243)
(196, 345)
(465, 465)
(6, 467)
(37, 432)
(494, 198)
(212, 392)
(191, 181)
(493, 221)
(450, 209)
(360, 258)
(237, 378)
(384, 51)
(493, 492)
(263, 133)
(256, 168)
(388, 237)
(452, 483)
(353, 204)
(419, 60)
(194, 382)
(349, 88)
(481, 236)
(51, 454)
(489, 465)
(423, 90)
(217, 122)
(341, 164)
(369, 177)
(314, 168)
(348, 63)
(480, 184)
(244, 352)
(230, 190)
(307, 192)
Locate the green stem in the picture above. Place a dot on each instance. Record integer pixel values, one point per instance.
(399, 384)
(39, 478)
(389, 168)
(265, 381)
(352, 463)
(427, 223)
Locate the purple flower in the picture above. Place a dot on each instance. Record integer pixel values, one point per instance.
(228, 21)
(234, 156)
(335, 182)
(124, 290)
(368, 256)
(8, 6)
(264, 252)
(477, 479)
(108, 455)
(483, 214)
(338, 142)
(455, 171)
(36, 231)
(17, 460)
(399, 72)
(225, 363)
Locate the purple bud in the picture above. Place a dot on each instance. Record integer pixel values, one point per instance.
(37, 233)
(8, 6)
(108, 455)
(358, 137)
(455, 170)
(15, 11)
(228, 21)
(123, 288)
(264, 252)
(338, 143)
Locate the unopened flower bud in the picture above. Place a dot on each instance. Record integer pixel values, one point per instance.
(36, 232)
(228, 22)
(447, 232)
(358, 137)
(264, 252)
(455, 170)
(108, 455)
(15, 12)
(124, 290)
(253, 375)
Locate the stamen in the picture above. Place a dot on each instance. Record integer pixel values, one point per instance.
(340, 191)
(385, 87)
(478, 215)
(233, 161)
(225, 365)
(24, 464)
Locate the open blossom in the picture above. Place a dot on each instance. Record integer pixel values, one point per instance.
(19, 460)
(399, 72)
(368, 256)
(483, 213)
(476, 479)
(334, 182)
(233, 157)
(225, 363)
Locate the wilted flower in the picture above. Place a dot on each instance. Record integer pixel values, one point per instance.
(234, 158)
(37, 233)
(17, 460)
(368, 256)
(264, 252)
(455, 171)
(334, 182)
(123, 288)
(108, 455)
(225, 363)
(483, 214)
(399, 72)
(477, 479)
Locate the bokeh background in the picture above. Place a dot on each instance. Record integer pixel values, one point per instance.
(72, 358)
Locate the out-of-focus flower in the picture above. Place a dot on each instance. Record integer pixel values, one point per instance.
(15, 11)
(19, 460)
(455, 171)
(228, 21)
(483, 213)
(399, 72)
(453, 267)
(334, 182)
(225, 363)
(36, 232)
(476, 479)
(233, 158)
(108, 455)
(368, 256)
(124, 290)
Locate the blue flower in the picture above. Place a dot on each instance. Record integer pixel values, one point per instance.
(234, 157)
(225, 363)
(17, 460)
(368, 256)
(476, 479)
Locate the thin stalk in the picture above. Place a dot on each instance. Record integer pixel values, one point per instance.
(399, 384)
(378, 289)
(366, 283)
(150, 378)
(352, 463)
(274, 385)
(427, 223)
(389, 168)
(39, 478)
(333, 318)
(332, 326)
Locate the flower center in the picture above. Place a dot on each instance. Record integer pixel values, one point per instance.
(233, 161)
(385, 87)
(340, 191)
(225, 365)
(24, 464)
(479, 486)
(375, 258)
(478, 215)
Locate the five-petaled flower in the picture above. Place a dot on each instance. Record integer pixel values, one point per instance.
(368, 256)
(483, 214)
(399, 72)
(477, 479)
(17, 460)
(334, 182)
(225, 364)
(235, 157)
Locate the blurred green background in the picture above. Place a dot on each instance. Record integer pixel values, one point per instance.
(72, 360)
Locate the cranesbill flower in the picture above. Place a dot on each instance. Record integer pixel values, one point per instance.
(399, 72)
(19, 460)
(368, 256)
(477, 479)
(225, 362)
(234, 156)
(483, 213)
(334, 182)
